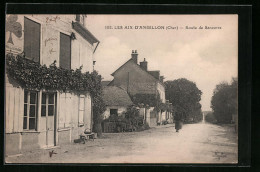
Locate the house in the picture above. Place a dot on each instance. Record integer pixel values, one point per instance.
(39, 118)
(117, 101)
(137, 80)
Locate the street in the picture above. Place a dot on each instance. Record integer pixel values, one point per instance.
(194, 143)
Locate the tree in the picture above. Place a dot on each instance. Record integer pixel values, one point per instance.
(209, 117)
(224, 101)
(99, 106)
(184, 96)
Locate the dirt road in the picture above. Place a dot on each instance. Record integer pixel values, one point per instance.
(195, 143)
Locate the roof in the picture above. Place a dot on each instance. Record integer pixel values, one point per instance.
(148, 72)
(84, 32)
(105, 83)
(123, 66)
(111, 83)
(115, 96)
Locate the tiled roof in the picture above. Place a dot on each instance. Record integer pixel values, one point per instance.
(105, 83)
(115, 96)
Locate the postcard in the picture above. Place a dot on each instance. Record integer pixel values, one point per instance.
(88, 88)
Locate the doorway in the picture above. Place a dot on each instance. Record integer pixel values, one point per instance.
(48, 117)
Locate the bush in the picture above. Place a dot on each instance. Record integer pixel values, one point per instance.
(209, 117)
(131, 122)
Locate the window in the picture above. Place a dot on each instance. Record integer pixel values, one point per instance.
(113, 112)
(48, 104)
(30, 110)
(32, 31)
(65, 51)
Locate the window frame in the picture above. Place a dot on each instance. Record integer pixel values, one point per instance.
(47, 104)
(113, 109)
(28, 104)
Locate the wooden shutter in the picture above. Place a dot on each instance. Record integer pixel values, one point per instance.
(81, 109)
(32, 32)
(65, 51)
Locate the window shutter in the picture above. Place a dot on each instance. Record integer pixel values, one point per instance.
(65, 51)
(32, 31)
(81, 109)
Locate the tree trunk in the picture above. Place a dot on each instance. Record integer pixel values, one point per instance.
(97, 128)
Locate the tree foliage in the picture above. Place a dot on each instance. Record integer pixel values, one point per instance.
(145, 99)
(150, 100)
(185, 97)
(209, 117)
(224, 101)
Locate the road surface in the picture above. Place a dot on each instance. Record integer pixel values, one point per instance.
(195, 143)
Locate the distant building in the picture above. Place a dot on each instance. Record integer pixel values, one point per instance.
(136, 79)
(117, 101)
(40, 118)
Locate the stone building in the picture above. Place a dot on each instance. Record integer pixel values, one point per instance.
(39, 118)
(136, 79)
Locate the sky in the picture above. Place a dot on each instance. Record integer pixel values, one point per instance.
(204, 56)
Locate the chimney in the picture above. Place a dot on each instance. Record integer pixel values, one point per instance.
(144, 65)
(161, 78)
(134, 56)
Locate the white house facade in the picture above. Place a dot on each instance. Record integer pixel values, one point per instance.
(38, 118)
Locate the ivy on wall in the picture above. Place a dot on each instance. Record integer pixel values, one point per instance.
(31, 75)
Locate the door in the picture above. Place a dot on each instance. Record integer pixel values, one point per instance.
(48, 110)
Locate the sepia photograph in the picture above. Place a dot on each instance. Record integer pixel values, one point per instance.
(127, 89)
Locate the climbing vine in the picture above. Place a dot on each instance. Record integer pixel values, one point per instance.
(31, 75)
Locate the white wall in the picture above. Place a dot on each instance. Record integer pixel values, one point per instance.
(81, 54)
(121, 111)
(81, 49)
(69, 111)
(14, 100)
(161, 90)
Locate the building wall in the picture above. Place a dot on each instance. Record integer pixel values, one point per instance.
(51, 27)
(161, 90)
(14, 98)
(135, 80)
(67, 114)
(121, 111)
(163, 116)
(152, 121)
(67, 126)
